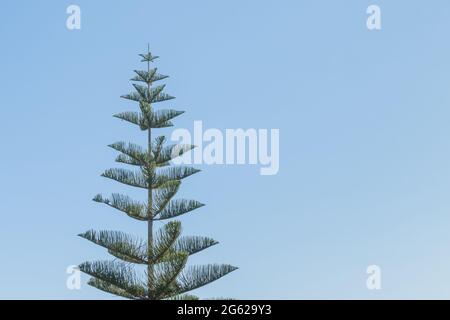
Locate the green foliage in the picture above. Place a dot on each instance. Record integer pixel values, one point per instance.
(119, 244)
(193, 244)
(148, 77)
(176, 208)
(165, 252)
(134, 209)
(198, 276)
(119, 274)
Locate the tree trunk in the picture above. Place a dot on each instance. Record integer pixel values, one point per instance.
(150, 267)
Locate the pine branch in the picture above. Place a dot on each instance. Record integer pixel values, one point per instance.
(166, 175)
(150, 95)
(162, 125)
(133, 117)
(145, 93)
(146, 108)
(161, 118)
(198, 276)
(157, 147)
(118, 274)
(194, 244)
(162, 196)
(148, 57)
(128, 177)
(153, 95)
(134, 209)
(166, 275)
(175, 208)
(162, 97)
(171, 152)
(122, 158)
(119, 244)
(109, 288)
(164, 241)
(148, 77)
(132, 154)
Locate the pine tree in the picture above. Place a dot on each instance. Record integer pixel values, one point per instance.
(155, 268)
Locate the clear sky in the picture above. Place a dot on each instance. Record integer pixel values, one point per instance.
(364, 150)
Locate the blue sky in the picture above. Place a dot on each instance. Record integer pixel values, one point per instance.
(364, 151)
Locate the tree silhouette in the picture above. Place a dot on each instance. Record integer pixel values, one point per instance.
(155, 268)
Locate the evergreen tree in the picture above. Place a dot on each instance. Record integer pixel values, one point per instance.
(155, 268)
